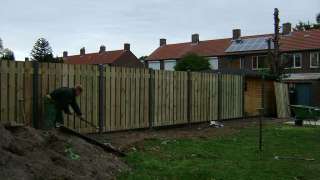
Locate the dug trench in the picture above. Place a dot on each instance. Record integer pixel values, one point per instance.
(26, 153)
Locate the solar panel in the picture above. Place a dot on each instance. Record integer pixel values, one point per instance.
(250, 44)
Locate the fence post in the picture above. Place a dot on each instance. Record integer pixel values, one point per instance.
(151, 97)
(101, 92)
(219, 96)
(189, 93)
(35, 95)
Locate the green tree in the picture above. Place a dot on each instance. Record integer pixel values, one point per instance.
(192, 62)
(42, 51)
(7, 54)
(1, 45)
(304, 26)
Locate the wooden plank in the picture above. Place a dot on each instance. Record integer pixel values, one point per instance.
(20, 91)
(28, 73)
(4, 91)
(132, 97)
(141, 98)
(156, 97)
(137, 97)
(147, 77)
(108, 99)
(12, 92)
(65, 83)
(80, 99)
(171, 99)
(113, 98)
(122, 99)
(87, 79)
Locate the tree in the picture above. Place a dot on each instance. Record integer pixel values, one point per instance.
(1, 45)
(318, 18)
(7, 54)
(42, 51)
(193, 62)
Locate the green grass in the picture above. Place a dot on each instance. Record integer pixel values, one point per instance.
(231, 157)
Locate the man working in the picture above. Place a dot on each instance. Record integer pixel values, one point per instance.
(58, 101)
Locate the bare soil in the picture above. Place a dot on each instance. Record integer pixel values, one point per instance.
(29, 154)
(126, 140)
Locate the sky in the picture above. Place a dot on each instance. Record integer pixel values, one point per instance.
(71, 24)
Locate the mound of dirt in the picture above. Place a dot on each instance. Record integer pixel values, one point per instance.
(26, 153)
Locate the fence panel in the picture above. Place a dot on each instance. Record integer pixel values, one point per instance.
(231, 96)
(170, 98)
(282, 100)
(127, 98)
(16, 92)
(204, 97)
(54, 75)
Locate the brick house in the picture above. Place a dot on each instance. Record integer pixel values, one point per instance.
(300, 50)
(122, 57)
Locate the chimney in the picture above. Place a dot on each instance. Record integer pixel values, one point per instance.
(102, 49)
(195, 38)
(82, 51)
(286, 28)
(163, 42)
(65, 54)
(126, 47)
(236, 34)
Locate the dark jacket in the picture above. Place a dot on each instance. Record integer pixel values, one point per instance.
(63, 97)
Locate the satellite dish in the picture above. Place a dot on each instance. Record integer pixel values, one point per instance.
(318, 18)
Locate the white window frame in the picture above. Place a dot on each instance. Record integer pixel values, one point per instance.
(168, 61)
(294, 61)
(318, 59)
(257, 68)
(216, 59)
(155, 62)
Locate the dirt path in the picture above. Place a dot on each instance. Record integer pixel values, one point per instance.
(128, 139)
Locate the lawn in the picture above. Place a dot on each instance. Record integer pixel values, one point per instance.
(230, 157)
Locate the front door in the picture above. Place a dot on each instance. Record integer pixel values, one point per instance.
(303, 94)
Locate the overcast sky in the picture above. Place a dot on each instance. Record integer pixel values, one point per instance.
(72, 24)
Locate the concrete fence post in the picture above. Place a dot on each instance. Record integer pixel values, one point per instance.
(102, 88)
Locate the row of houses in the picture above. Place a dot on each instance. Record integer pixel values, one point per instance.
(300, 50)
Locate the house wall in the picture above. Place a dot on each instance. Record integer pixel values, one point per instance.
(253, 97)
(233, 61)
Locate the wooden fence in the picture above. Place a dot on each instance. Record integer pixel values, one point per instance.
(282, 99)
(120, 98)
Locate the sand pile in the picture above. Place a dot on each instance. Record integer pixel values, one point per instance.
(26, 153)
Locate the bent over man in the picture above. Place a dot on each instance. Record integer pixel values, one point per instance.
(59, 100)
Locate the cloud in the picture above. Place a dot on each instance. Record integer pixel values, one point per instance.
(70, 25)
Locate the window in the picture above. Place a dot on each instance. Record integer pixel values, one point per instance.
(259, 62)
(292, 60)
(154, 65)
(315, 60)
(169, 65)
(214, 64)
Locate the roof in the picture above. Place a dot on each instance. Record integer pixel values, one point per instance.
(295, 41)
(250, 44)
(107, 57)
